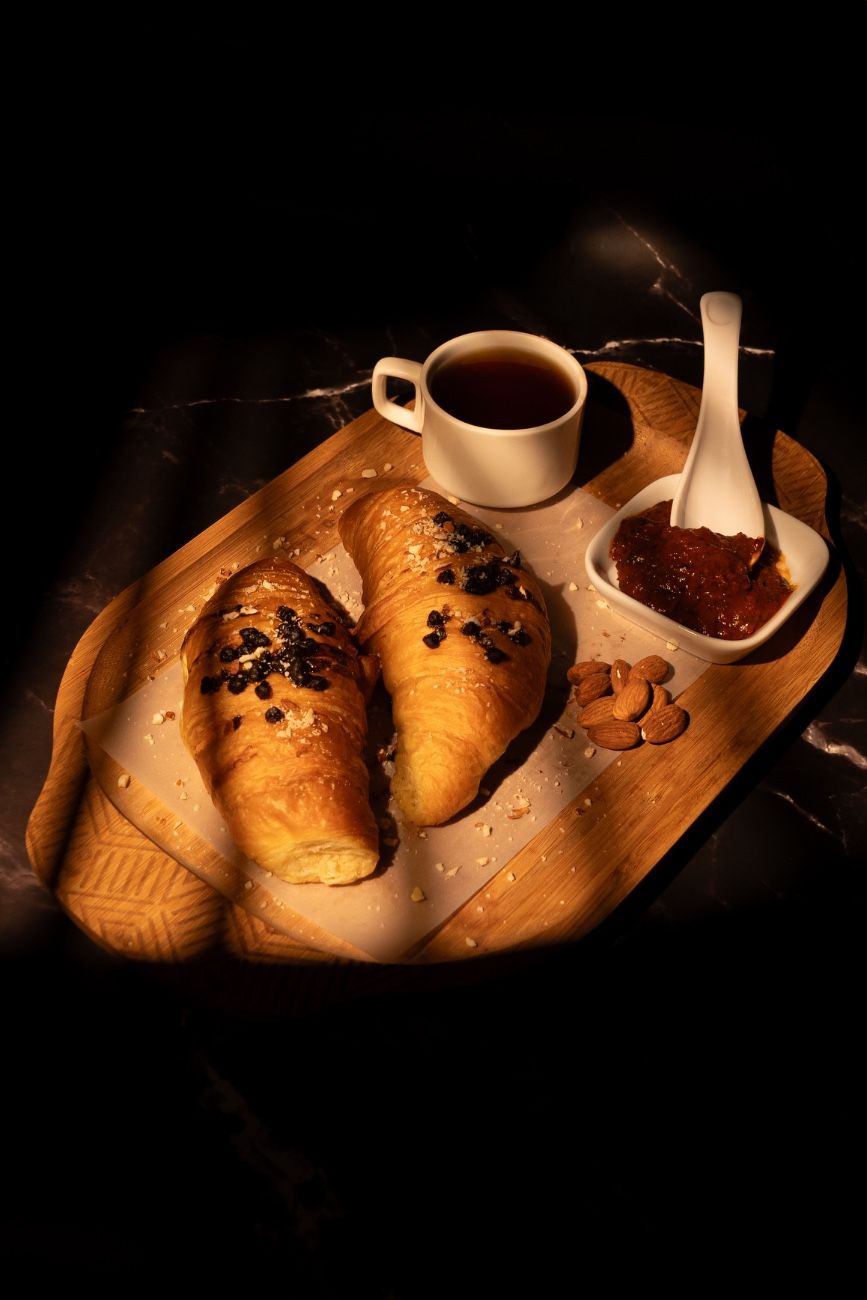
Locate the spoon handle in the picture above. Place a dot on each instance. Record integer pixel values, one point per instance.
(717, 484)
(721, 315)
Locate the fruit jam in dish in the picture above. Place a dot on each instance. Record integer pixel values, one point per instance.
(696, 577)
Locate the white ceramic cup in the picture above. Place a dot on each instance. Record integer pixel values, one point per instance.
(488, 467)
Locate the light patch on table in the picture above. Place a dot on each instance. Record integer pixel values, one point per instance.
(430, 876)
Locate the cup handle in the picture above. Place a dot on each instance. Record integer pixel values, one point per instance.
(398, 368)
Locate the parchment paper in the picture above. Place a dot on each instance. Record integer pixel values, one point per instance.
(426, 875)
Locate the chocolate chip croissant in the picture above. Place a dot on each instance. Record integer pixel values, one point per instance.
(462, 635)
(275, 717)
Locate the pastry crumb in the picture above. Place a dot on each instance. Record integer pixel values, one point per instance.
(456, 501)
(387, 466)
(158, 719)
(368, 473)
(149, 738)
(483, 862)
(439, 866)
(418, 895)
(589, 751)
(573, 586)
(520, 807)
(123, 780)
(471, 943)
(510, 876)
(336, 494)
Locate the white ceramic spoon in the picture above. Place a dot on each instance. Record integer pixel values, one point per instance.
(717, 489)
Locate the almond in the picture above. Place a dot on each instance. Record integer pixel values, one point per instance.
(633, 700)
(614, 735)
(601, 710)
(652, 668)
(661, 697)
(586, 668)
(665, 724)
(592, 687)
(620, 671)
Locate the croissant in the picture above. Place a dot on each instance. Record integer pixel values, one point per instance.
(275, 717)
(462, 635)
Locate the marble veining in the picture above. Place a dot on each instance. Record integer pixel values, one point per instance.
(309, 394)
(623, 345)
(297, 1183)
(815, 735)
(656, 255)
(20, 890)
(802, 811)
(327, 394)
(661, 288)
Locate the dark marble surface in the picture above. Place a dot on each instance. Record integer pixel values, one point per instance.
(682, 1083)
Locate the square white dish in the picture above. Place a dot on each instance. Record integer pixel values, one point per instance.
(804, 551)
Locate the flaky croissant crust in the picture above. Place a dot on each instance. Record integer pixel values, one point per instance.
(462, 635)
(293, 789)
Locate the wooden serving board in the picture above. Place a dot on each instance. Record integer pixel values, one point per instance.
(131, 896)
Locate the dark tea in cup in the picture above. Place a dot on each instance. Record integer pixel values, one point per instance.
(502, 388)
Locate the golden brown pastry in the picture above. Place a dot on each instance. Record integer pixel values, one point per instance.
(275, 717)
(462, 635)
